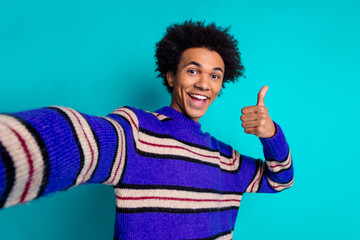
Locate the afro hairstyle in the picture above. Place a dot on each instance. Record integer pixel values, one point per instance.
(179, 37)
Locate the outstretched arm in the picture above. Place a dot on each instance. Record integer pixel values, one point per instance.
(55, 148)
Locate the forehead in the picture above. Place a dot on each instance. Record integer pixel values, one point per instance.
(203, 56)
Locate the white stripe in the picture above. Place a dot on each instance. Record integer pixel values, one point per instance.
(280, 186)
(255, 183)
(183, 149)
(280, 165)
(82, 127)
(20, 160)
(229, 164)
(175, 199)
(125, 112)
(158, 116)
(120, 154)
(226, 237)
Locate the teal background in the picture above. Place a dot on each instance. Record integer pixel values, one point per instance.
(95, 56)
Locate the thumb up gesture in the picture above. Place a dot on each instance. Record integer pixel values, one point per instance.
(256, 119)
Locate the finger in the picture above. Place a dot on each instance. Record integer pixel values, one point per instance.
(253, 109)
(249, 117)
(261, 96)
(250, 130)
(250, 124)
(249, 109)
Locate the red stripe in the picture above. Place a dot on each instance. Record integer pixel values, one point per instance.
(260, 170)
(178, 199)
(169, 146)
(207, 156)
(121, 152)
(282, 185)
(158, 145)
(133, 122)
(87, 139)
(279, 165)
(30, 161)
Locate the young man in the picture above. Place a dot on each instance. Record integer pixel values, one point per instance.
(171, 180)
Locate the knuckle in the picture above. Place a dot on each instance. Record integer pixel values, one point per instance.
(263, 109)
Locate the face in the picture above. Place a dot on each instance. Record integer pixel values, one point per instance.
(197, 81)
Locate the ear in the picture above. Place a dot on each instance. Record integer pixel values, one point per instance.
(170, 78)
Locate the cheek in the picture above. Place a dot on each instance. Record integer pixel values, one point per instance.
(217, 89)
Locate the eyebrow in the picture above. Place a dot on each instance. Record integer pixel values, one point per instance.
(199, 65)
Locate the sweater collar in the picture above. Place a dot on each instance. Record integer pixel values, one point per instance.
(181, 118)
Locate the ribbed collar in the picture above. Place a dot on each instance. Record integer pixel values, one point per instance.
(181, 118)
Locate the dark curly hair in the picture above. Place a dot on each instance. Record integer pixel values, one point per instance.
(179, 37)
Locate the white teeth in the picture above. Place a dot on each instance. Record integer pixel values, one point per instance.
(198, 96)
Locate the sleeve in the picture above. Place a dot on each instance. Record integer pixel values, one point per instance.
(56, 148)
(275, 173)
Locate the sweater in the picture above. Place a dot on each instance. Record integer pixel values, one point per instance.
(171, 180)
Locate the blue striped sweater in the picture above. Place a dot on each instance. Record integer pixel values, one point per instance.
(171, 180)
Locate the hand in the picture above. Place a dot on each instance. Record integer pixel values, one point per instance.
(256, 119)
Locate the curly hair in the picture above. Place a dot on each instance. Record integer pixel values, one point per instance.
(179, 37)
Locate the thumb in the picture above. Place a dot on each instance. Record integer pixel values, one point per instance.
(261, 96)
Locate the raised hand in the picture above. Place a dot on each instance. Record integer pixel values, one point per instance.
(256, 119)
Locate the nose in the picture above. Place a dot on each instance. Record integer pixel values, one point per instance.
(202, 83)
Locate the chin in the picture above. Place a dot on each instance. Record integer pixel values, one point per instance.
(196, 114)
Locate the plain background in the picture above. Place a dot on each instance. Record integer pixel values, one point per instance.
(95, 56)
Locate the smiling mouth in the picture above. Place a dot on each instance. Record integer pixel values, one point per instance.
(198, 101)
(198, 97)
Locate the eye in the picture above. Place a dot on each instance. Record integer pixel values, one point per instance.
(215, 76)
(192, 71)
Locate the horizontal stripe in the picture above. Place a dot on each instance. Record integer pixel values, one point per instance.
(163, 198)
(280, 186)
(174, 187)
(131, 117)
(177, 199)
(178, 148)
(150, 145)
(167, 136)
(174, 193)
(188, 159)
(277, 166)
(173, 210)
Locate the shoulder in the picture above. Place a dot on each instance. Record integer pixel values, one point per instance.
(217, 144)
(140, 118)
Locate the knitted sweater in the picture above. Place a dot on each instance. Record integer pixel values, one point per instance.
(171, 180)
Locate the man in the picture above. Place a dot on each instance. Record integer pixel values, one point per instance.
(171, 180)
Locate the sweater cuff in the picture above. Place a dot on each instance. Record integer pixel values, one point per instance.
(275, 147)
